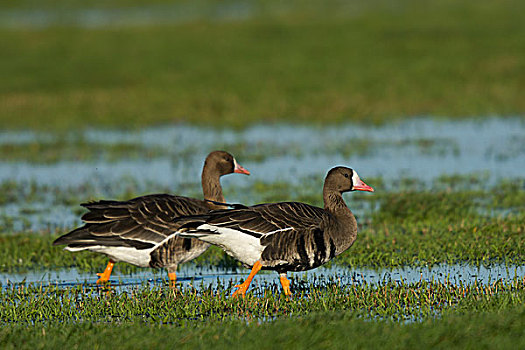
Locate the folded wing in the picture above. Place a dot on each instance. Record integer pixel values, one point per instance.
(142, 222)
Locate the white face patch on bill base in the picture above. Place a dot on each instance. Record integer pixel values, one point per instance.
(239, 169)
(355, 179)
(359, 185)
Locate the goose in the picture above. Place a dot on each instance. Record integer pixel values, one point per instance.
(286, 236)
(137, 231)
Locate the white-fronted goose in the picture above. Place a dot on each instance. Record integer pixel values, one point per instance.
(138, 231)
(289, 236)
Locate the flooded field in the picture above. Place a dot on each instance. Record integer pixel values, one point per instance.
(114, 99)
(153, 14)
(443, 230)
(422, 149)
(212, 277)
(415, 154)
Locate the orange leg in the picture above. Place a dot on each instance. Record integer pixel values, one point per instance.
(242, 288)
(173, 279)
(104, 276)
(286, 284)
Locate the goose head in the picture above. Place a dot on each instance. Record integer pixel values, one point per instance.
(224, 163)
(343, 179)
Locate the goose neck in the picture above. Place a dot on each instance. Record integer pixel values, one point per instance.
(211, 185)
(333, 201)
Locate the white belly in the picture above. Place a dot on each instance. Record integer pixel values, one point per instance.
(243, 247)
(133, 256)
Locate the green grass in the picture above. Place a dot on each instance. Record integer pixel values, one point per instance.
(78, 150)
(335, 330)
(450, 316)
(390, 300)
(331, 330)
(320, 63)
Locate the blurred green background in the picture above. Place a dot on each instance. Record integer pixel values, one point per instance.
(127, 64)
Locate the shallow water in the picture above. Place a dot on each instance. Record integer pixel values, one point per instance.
(154, 14)
(424, 149)
(204, 277)
(419, 148)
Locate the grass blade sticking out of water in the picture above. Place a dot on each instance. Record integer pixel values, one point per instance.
(153, 305)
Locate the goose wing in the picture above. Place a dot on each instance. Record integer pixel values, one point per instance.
(260, 221)
(142, 222)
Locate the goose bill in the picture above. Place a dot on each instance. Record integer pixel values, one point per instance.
(361, 186)
(239, 168)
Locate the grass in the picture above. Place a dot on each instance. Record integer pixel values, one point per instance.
(502, 329)
(78, 150)
(320, 317)
(320, 63)
(75, 147)
(391, 300)
(490, 330)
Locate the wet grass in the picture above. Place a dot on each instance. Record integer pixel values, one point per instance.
(50, 148)
(388, 300)
(76, 150)
(324, 62)
(28, 192)
(501, 329)
(320, 315)
(457, 219)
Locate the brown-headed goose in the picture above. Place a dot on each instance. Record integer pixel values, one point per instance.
(138, 231)
(288, 236)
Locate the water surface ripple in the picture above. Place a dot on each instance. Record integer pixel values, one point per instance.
(199, 277)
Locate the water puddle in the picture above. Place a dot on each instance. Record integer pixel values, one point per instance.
(205, 277)
(420, 148)
(126, 16)
(424, 149)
